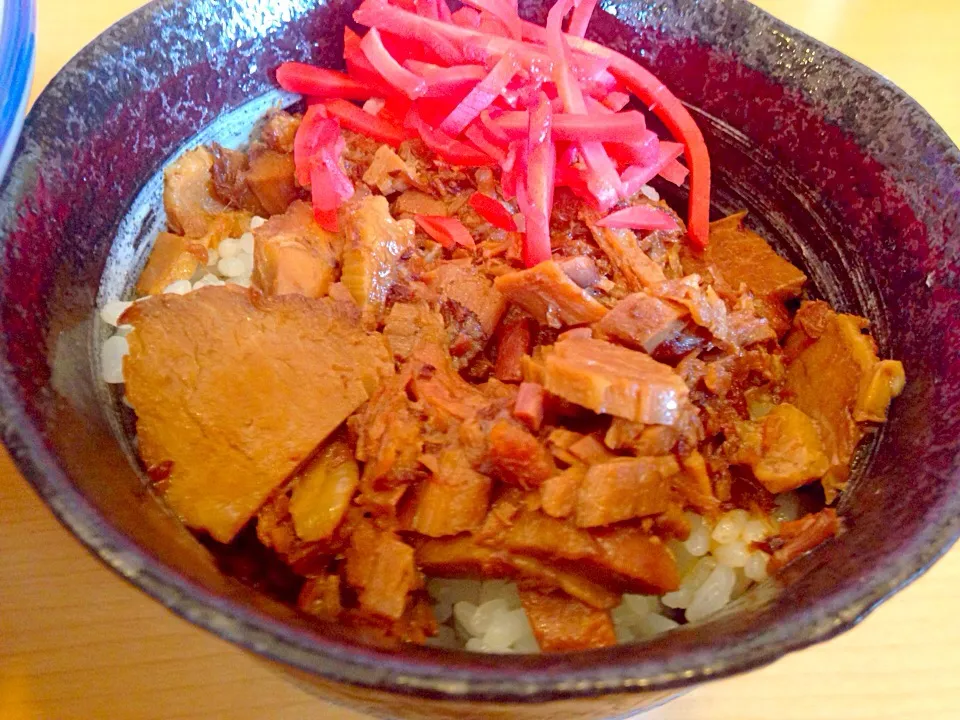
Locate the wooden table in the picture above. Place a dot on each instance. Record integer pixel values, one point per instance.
(77, 643)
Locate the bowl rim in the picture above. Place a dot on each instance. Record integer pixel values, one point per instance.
(17, 51)
(369, 668)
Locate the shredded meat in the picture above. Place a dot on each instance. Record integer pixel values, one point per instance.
(801, 536)
(378, 408)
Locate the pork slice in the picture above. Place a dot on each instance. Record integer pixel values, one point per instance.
(642, 322)
(294, 255)
(607, 378)
(562, 623)
(233, 391)
(453, 499)
(382, 569)
(737, 258)
(706, 308)
(373, 244)
(417, 202)
(549, 295)
(188, 193)
(625, 488)
(737, 255)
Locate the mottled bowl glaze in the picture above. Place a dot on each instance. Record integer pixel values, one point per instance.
(848, 176)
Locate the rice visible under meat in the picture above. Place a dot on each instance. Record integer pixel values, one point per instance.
(231, 262)
(716, 564)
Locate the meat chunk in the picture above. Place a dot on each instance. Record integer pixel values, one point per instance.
(415, 202)
(844, 360)
(582, 269)
(738, 256)
(638, 561)
(271, 177)
(783, 449)
(388, 172)
(625, 488)
(561, 623)
(408, 324)
(453, 499)
(516, 456)
(549, 295)
(320, 597)
(465, 285)
(803, 535)
(278, 132)
(706, 308)
(381, 568)
(461, 556)
(514, 338)
(229, 174)
(293, 254)
(610, 379)
(641, 439)
(558, 494)
(390, 442)
(322, 493)
(374, 242)
(636, 268)
(529, 406)
(642, 322)
(188, 193)
(627, 559)
(172, 258)
(302, 371)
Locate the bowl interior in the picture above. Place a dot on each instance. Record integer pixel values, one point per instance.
(847, 176)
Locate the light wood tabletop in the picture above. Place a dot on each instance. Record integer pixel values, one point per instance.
(77, 643)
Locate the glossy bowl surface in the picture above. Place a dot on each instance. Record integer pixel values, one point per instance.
(844, 172)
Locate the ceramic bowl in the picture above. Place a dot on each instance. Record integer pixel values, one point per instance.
(848, 176)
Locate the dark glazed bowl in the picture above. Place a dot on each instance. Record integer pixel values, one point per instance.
(844, 172)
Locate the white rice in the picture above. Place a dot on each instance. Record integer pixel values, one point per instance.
(716, 565)
(231, 262)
